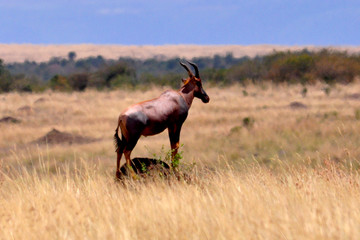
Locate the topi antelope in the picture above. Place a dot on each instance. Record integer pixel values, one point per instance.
(151, 117)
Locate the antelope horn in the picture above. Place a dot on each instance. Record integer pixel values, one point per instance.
(197, 75)
(186, 68)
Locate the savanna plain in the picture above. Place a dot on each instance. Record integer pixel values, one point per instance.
(261, 162)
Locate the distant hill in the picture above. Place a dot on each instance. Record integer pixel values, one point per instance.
(39, 53)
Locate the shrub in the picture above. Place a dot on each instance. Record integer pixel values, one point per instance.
(79, 81)
(122, 81)
(248, 122)
(5, 78)
(250, 69)
(114, 76)
(335, 68)
(24, 83)
(172, 80)
(216, 76)
(293, 68)
(59, 83)
(304, 92)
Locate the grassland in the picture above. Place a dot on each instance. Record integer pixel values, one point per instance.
(40, 53)
(264, 169)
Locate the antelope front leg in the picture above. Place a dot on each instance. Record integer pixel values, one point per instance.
(174, 135)
(174, 151)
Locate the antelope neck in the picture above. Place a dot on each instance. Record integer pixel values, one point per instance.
(187, 92)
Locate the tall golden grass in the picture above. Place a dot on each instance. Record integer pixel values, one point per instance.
(288, 173)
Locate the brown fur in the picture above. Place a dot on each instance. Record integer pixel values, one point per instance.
(168, 111)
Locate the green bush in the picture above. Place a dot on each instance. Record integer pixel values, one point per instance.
(79, 81)
(292, 68)
(114, 76)
(5, 78)
(24, 83)
(280, 67)
(172, 80)
(120, 81)
(249, 70)
(59, 83)
(336, 68)
(248, 122)
(216, 76)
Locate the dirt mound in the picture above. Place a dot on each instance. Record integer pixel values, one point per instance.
(9, 119)
(40, 100)
(26, 110)
(146, 167)
(297, 105)
(57, 137)
(354, 96)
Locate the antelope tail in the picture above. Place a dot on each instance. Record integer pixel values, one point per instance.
(117, 141)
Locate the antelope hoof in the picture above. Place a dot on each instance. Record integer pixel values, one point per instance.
(118, 174)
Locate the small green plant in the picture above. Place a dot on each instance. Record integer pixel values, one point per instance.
(165, 156)
(327, 90)
(176, 161)
(245, 93)
(179, 169)
(143, 167)
(235, 129)
(304, 92)
(357, 114)
(332, 114)
(248, 122)
(159, 157)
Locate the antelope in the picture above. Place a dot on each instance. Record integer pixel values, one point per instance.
(168, 111)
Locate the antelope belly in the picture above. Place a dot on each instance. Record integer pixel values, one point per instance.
(153, 128)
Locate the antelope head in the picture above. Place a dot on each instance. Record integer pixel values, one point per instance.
(193, 83)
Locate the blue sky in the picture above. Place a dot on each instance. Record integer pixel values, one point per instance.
(144, 22)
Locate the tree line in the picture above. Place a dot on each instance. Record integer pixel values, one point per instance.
(71, 74)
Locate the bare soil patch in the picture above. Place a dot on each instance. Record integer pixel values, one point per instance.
(9, 119)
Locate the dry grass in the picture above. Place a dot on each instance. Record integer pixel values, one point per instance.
(39, 53)
(291, 174)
